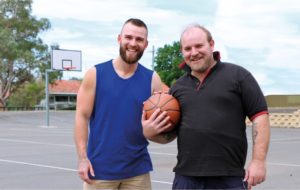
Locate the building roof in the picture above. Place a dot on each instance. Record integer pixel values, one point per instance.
(64, 87)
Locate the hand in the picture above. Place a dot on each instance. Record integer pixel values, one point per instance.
(84, 168)
(156, 124)
(256, 173)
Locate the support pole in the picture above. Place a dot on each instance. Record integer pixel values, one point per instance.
(47, 95)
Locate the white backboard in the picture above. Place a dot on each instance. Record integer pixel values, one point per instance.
(66, 60)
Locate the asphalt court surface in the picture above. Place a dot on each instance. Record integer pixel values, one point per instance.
(35, 156)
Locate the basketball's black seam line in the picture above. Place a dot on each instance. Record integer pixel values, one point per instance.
(171, 98)
(172, 110)
(153, 107)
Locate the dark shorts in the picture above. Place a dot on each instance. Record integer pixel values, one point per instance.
(222, 182)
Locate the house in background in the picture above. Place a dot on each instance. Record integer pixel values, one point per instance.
(63, 94)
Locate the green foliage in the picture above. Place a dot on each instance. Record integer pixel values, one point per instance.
(28, 95)
(45, 63)
(21, 49)
(166, 63)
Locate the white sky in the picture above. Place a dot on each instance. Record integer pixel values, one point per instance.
(262, 36)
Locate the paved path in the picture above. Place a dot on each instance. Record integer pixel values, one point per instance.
(33, 156)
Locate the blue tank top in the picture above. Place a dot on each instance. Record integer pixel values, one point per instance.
(117, 147)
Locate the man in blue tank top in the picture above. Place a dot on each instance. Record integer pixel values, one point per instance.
(112, 150)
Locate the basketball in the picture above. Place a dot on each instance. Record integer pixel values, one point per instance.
(165, 102)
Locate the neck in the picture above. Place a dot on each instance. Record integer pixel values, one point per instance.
(123, 69)
(201, 75)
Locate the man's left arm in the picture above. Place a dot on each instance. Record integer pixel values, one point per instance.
(256, 171)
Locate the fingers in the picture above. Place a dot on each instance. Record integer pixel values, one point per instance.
(92, 170)
(143, 116)
(253, 179)
(160, 119)
(157, 122)
(85, 168)
(157, 92)
(246, 175)
(155, 114)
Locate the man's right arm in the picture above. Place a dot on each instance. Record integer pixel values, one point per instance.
(84, 108)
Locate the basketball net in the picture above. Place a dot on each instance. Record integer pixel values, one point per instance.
(69, 68)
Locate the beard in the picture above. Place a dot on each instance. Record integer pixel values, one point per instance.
(202, 66)
(130, 60)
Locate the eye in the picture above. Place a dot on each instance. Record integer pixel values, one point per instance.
(128, 37)
(198, 46)
(187, 49)
(139, 39)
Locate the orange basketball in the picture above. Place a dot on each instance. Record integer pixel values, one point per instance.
(165, 102)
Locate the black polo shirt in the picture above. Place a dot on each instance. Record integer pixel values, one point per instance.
(212, 132)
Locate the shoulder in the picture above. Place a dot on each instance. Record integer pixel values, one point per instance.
(182, 80)
(90, 75)
(144, 69)
(234, 70)
(232, 66)
(181, 83)
(103, 64)
(157, 84)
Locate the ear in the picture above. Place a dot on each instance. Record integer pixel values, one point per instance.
(212, 44)
(119, 38)
(146, 44)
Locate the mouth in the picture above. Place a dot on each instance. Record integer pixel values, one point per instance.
(195, 59)
(132, 51)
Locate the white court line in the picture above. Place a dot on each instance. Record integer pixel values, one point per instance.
(281, 164)
(38, 165)
(42, 130)
(155, 181)
(166, 154)
(61, 168)
(285, 139)
(66, 145)
(162, 146)
(154, 153)
(34, 142)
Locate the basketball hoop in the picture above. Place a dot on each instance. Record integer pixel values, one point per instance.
(69, 68)
(66, 60)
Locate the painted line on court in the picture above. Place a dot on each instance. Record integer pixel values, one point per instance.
(164, 182)
(162, 146)
(61, 168)
(66, 145)
(34, 142)
(38, 165)
(166, 154)
(60, 131)
(285, 140)
(280, 164)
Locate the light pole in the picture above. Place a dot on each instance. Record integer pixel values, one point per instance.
(153, 54)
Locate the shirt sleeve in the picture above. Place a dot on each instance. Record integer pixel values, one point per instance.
(254, 101)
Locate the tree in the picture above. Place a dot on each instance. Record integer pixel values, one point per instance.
(21, 49)
(166, 63)
(28, 95)
(45, 63)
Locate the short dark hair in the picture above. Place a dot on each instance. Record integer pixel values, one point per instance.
(136, 22)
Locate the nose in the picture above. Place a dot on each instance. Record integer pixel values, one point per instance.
(132, 42)
(194, 51)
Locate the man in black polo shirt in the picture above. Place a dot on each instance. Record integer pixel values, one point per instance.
(215, 99)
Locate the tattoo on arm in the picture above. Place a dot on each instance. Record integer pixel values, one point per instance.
(169, 135)
(254, 132)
